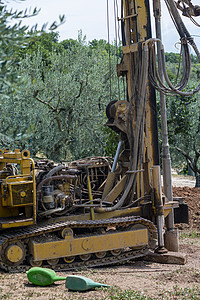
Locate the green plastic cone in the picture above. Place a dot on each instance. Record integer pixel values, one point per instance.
(42, 276)
(81, 283)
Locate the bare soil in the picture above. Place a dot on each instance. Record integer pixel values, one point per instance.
(158, 281)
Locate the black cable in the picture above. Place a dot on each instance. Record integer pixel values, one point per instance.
(116, 43)
(108, 28)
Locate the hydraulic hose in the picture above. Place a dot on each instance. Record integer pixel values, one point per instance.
(185, 39)
(54, 170)
(138, 134)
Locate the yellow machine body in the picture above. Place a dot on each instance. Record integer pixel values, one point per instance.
(71, 246)
(18, 191)
(88, 213)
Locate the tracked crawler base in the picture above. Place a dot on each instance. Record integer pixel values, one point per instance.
(72, 245)
(59, 216)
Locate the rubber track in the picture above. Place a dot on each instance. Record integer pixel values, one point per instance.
(37, 230)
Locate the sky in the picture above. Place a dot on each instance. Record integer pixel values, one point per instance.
(90, 16)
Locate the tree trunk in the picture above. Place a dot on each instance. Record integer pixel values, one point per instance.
(197, 181)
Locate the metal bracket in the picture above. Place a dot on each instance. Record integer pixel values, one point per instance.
(127, 17)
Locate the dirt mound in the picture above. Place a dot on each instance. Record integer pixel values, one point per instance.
(192, 198)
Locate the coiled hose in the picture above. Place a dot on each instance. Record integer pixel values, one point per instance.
(185, 40)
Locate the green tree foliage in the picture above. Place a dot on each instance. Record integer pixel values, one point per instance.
(14, 37)
(184, 119)
(46, 43)
(60, 110)
(184, 130)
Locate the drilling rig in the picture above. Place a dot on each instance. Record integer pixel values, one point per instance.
(98, 211)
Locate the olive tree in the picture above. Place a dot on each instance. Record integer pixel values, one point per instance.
(60, 109)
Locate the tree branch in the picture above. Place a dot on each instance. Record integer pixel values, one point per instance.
(81, 87)
(191, 162)
(80, 90)
(187, 156)
(45, 103)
